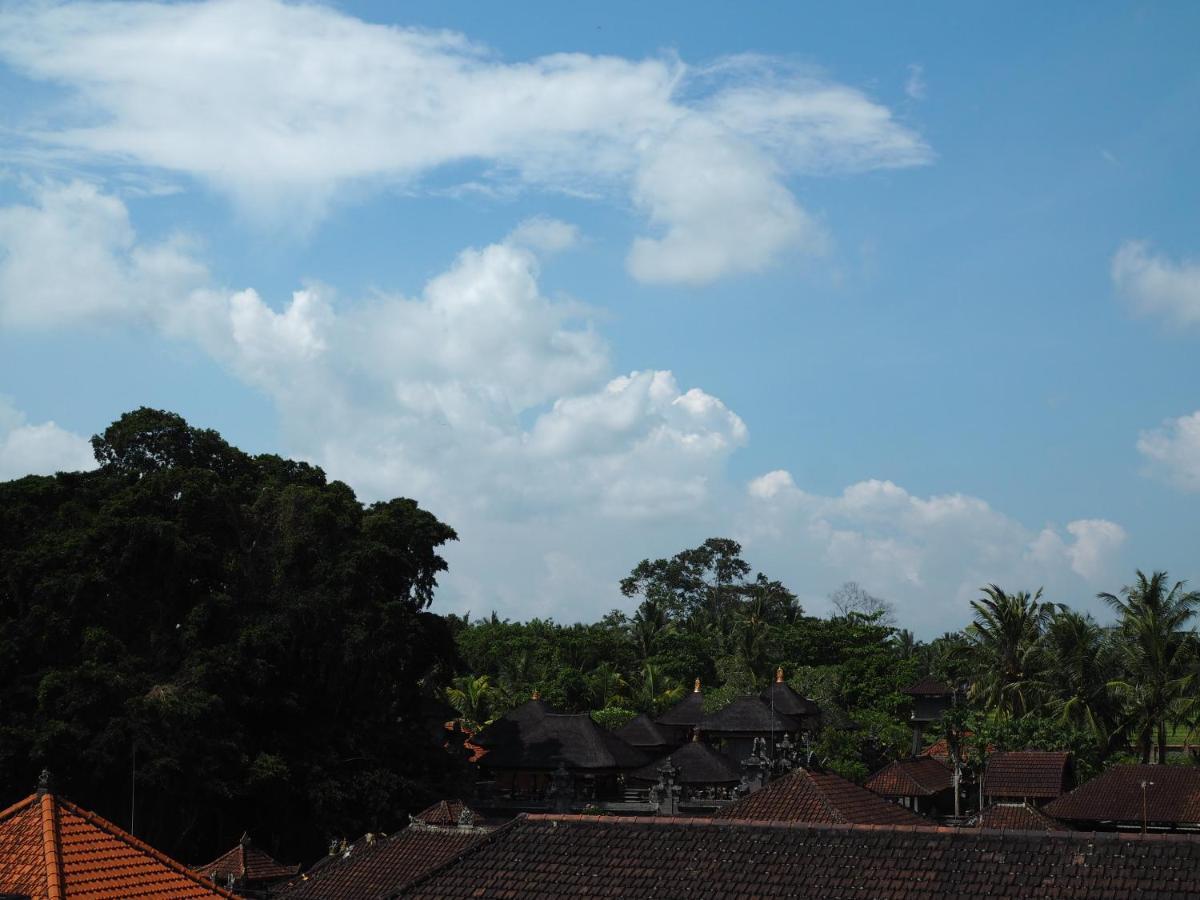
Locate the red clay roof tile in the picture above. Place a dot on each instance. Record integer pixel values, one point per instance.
(52, 849)
(805, 796)
(922, 776)
(1033, 774)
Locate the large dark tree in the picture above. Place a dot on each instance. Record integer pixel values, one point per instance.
(202, 641)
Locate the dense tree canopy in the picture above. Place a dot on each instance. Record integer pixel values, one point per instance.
(202, 641)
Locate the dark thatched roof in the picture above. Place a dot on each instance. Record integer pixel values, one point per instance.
(641, 732)
(697, 762)
(574, 741)
(510, 726)
(788, 701)
(748, 715)
(687, 712)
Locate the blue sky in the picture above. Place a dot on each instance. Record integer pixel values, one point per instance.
(904, 296)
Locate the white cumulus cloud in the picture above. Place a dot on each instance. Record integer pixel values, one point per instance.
(1157, 285)
(1173, 451)
(282, 105)
(41, 448)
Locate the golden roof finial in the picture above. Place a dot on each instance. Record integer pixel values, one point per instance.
(537, 695)
(696, 734)
(696, 689)
(779, 675)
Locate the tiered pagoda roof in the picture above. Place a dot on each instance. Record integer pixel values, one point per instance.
(642, 732)
(687, 713)
(574, 741)
(698, 764)
(786, 700)
(748, 715)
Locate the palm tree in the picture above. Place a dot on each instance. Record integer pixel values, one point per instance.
(655, 691)
(607, 686)
(1156, 654)
(471, 695)
(1080, 663)
(1006, 636)
(648, 626)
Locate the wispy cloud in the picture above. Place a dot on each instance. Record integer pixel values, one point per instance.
(281, 105)
(914, 85)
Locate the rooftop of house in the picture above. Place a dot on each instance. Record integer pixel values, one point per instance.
(1171, 796)
(748, 715)
(642, 732)
(575, 856)
(247, 862)
(1032, 774)
(574, 741)
(921, 776)
(687, 712)
(698, 764)
(929, 687)
(1015, 817)
(378, 866)
(510, 725)
(448, 814)
(786, 699)
(820, 797)
(51, 849)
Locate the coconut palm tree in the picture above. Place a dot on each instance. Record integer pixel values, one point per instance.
(1006, 636)
(647, 627)
(1156, 652)
(471, 695)
(1080, 663)
(655, 691)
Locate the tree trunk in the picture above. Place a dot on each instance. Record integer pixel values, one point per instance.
(1162, 743)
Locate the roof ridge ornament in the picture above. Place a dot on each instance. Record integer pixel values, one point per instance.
(45, 783)
(779, 675)
(696, 688)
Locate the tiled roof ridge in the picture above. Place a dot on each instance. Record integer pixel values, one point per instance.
(704, 822)
(98, 821)
(51, 849)
(823, 795)
(17, 807)
(484, 840)
(217, 863)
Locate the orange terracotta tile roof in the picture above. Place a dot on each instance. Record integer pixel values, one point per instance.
(247, 863)
(923, 776)
(51, 849)
(818, 797)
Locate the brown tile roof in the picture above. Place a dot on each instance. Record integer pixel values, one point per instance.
(377, 867)
(1172, 796)
(940, 749)
(545, 857)
(748, 715)
(697, 762)
(1027, 774)
(922, 776)
(51, 849)
(448, 813)
(247, 863)
(1015, 817)
(805, 796)
(643, 733)
(929, 687)
(574, 741)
